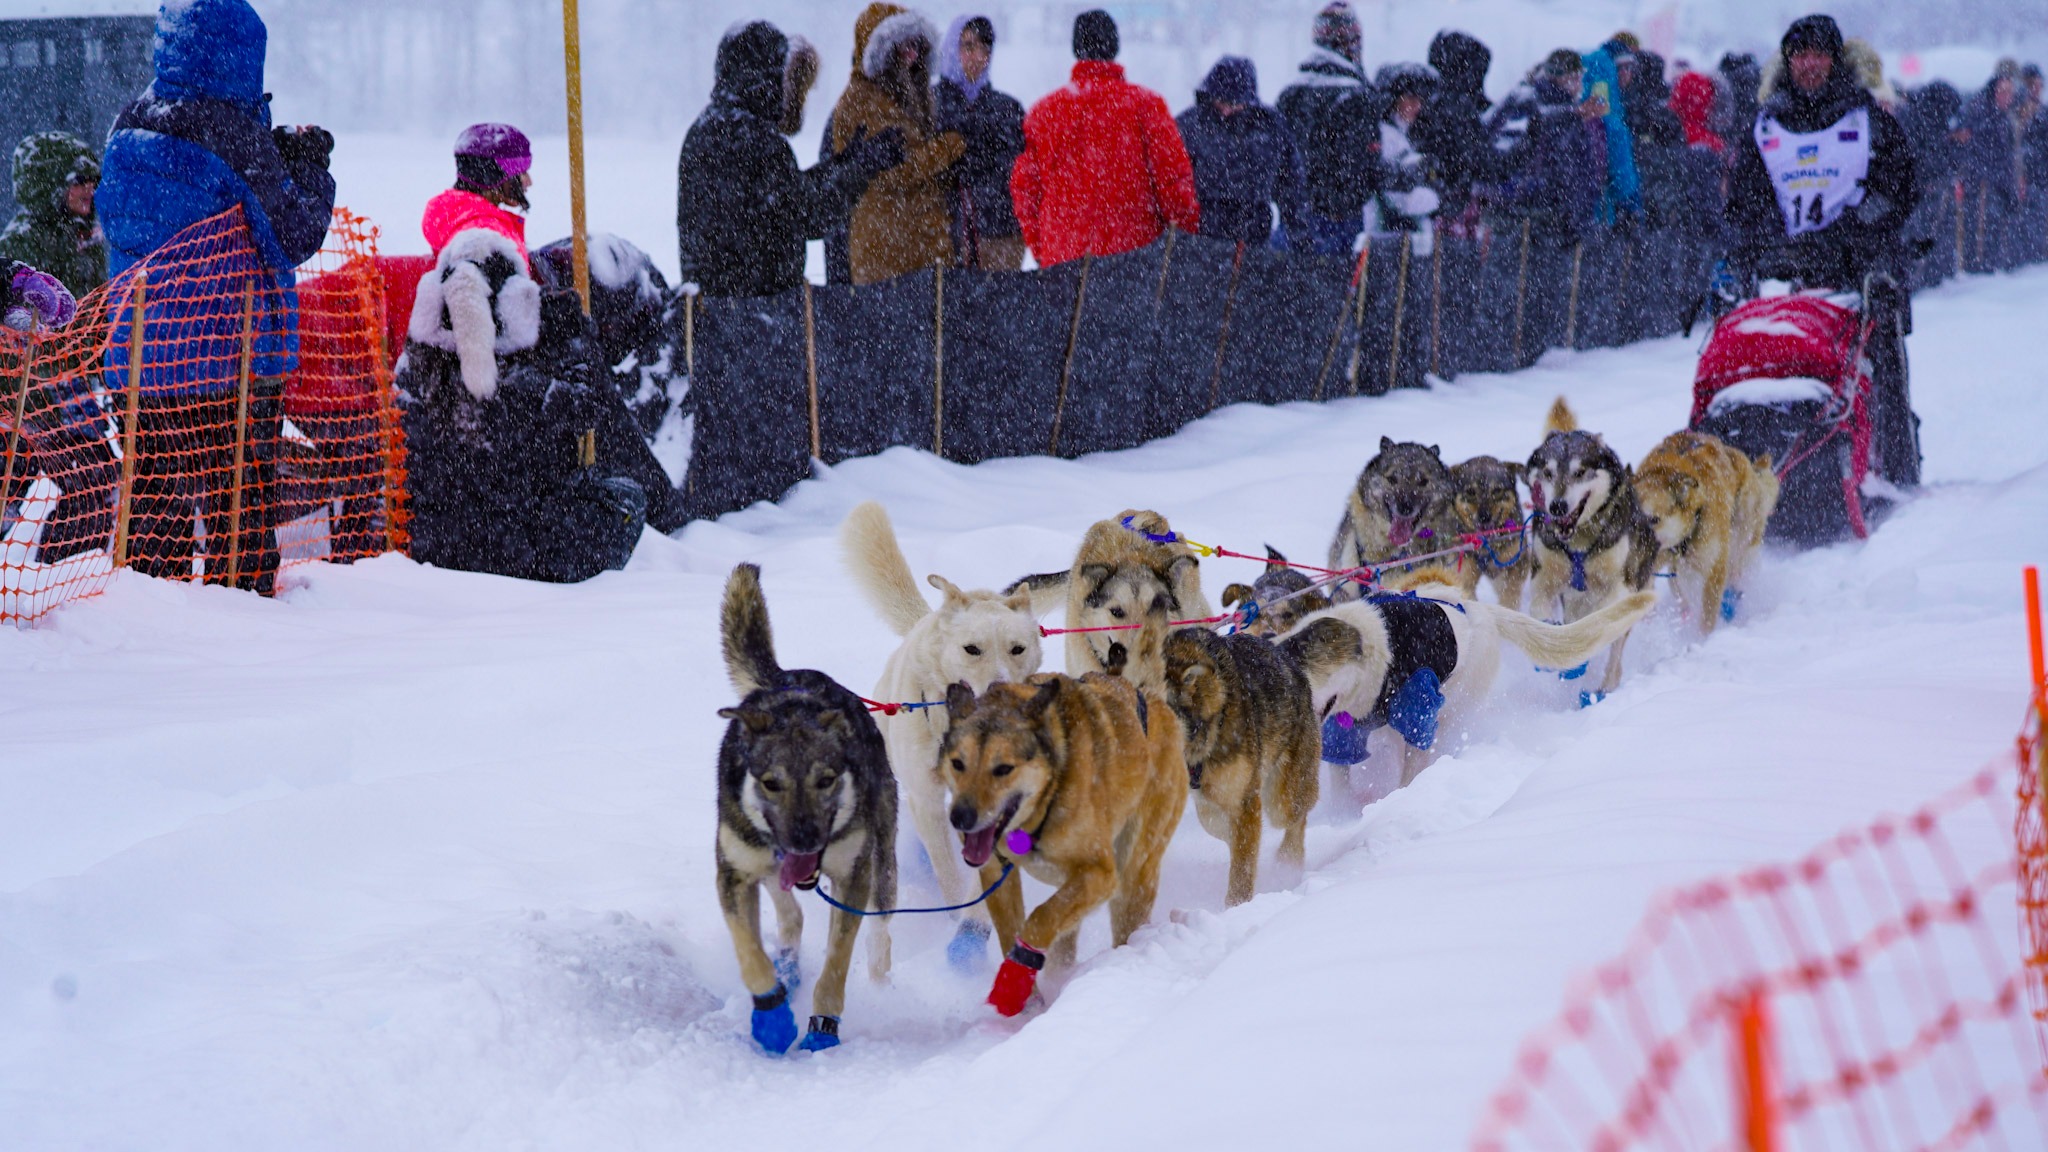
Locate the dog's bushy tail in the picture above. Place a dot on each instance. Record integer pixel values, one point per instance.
(1561, 418)
(743, 630)
(1322, 646)
(1566, 645)
(1048, 590)
(867, 542)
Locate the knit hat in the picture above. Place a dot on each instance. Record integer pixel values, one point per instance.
(1562, 63)
(1234, 80)
(1812, 33)
(1095, 36)
(1337, 30)
(1628, 41)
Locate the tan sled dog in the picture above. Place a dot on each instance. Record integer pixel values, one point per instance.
(1709, 503)
(977, 638)
(1485, 500)
(1115, 579)
(1078, 783)
(1248, 720)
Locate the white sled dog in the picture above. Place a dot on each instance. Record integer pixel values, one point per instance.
(1435, 632)
(974, 638)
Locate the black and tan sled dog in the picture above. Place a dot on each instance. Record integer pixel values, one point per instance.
(804, 791)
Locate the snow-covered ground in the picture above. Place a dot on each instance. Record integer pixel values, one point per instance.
(411, 859)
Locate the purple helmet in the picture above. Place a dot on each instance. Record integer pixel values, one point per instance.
(503, 143)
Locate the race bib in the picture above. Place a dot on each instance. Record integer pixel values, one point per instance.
(1816, 175)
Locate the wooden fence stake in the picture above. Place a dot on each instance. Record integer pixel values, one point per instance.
(1571, 316)
(1223, 335)
(1521, 293)
(1343, 314)
(1059, 407)
(241, 432)
(1436, 308)
(690, 336)
(137, 301)
(1400, 306)
(811, 372)
(1358, 313)
(939, 362)
(1165, 262)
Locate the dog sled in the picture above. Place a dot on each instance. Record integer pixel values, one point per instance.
(1818, 382)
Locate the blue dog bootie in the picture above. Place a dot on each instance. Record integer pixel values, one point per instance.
(1413, 710)
(967, 951)
(788, 969)
(1344, 740)
(774, 1024)
(1590, 696)
(823, 1033)
(1730, 598)
(1570, 673)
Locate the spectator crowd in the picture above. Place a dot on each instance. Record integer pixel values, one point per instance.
(524, 455)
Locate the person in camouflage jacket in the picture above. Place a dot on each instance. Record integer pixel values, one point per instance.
(56, 228)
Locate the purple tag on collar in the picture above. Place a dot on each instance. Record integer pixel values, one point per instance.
(1018, 842)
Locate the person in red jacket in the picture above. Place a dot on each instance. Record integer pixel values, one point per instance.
(1103, 170)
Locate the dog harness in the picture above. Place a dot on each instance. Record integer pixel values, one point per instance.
(1423, 653)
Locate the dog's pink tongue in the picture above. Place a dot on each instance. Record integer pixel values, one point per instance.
(977, 847)
(1402, 532)
(799, 869)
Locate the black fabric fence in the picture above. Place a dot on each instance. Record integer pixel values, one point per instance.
(1107, 353)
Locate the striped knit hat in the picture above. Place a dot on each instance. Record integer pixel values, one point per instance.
(1337, 30)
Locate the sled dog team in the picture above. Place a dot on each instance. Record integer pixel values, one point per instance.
(1078, 779)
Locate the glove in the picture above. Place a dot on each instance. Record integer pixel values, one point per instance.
(38, 299)
(1016, 978)
(308, 143)
(870, 156)
(774, 1025)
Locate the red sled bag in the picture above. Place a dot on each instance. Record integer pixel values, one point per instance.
(1788, 376)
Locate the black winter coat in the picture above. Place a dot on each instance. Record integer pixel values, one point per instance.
(1554, 172)
(1660, 149)
(1990, 161)
(1335, 116)
(1244, 165)
(1452, 128)
(993, 126)
(1864, 237)
(496, 485)
(743, 209)
(1931, 115)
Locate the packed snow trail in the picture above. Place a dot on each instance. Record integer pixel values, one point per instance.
(421, 859)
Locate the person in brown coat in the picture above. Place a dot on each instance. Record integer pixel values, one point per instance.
(901, 223)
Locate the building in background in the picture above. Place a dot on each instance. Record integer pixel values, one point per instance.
(68, 74)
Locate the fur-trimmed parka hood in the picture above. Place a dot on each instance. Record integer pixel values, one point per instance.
(883, 28)
(479, 302)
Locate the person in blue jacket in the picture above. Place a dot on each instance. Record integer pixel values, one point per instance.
(198, 142)
(1622, 199)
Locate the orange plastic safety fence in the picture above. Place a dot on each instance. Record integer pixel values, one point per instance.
(200, 420)
(1872, 995)
(2031, 835)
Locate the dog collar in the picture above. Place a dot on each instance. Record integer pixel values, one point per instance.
(772, 1000)
(1028, 956)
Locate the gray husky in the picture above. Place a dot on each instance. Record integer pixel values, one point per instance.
(1401, 506)
(804, 790)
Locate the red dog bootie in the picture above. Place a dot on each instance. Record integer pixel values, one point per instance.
(1016, 978)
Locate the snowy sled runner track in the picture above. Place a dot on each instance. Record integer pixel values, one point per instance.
(419, 859)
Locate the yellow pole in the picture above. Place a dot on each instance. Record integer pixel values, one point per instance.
(572, 60)
(126, 506)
